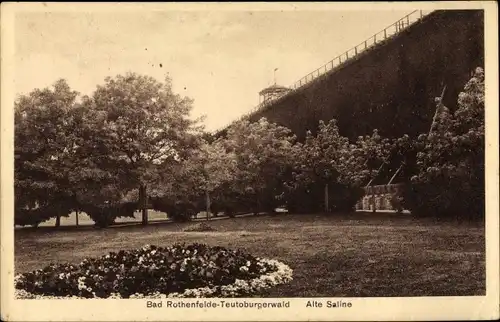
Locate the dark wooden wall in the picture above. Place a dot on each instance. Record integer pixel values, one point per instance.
(391, 87)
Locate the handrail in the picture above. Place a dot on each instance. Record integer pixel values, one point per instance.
(379, 37)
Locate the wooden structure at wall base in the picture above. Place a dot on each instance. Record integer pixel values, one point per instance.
(381, 197)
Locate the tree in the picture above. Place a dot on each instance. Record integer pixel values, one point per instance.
(138, 126)
(330, 163)
(44, 135)
(205, 174)
(264, 152)
(363, 160)
(450, 177)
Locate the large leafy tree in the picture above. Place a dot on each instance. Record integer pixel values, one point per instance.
(450, 177)
(45, 125)
(363, 160)
(264, 152)
(137, 127)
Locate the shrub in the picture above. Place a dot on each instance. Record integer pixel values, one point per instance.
(343, 198)
(105, 216)
(151, 271)
(25, 216)
(181, 209)
(31, 217)
(200, 227)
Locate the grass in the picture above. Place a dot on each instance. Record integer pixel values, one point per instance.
(358, 255)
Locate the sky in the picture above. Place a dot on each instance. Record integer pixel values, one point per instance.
(221, 59)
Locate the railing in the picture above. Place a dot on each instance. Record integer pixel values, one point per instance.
(369, 43)
(343, 58)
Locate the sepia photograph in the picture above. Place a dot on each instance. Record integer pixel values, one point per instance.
(226, 160)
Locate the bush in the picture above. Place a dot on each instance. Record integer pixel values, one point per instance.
(151, 271)
(304, 200)
(445, 198)
(200, 227)
(105, 216)
(179, 211)
(342, 198)
(31, 217)
(35, 216)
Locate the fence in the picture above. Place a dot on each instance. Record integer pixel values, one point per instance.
(335, 63)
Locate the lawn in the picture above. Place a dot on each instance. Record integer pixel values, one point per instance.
(350, 255)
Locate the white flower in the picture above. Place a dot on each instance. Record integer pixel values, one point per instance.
(281, 273)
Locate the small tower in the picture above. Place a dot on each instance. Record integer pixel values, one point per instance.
(272, 92)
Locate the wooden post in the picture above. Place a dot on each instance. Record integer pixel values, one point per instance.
(395, 174)
(76, 217)
(207, 201)
(438, 108)
(376, 174)
(144, 204)
(374, 202)
(327, 208)
(58, 216)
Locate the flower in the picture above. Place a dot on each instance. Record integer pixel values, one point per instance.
(206, 264)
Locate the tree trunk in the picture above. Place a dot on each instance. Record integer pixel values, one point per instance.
(58, 220)
(143, 197)
(207, 200)
(77, 218)
(327, 208)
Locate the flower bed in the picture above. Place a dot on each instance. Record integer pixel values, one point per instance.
(195, 270)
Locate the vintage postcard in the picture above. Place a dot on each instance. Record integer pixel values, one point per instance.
(249, 161)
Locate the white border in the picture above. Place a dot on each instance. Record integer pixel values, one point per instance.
(390, 309)
(281, 275)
